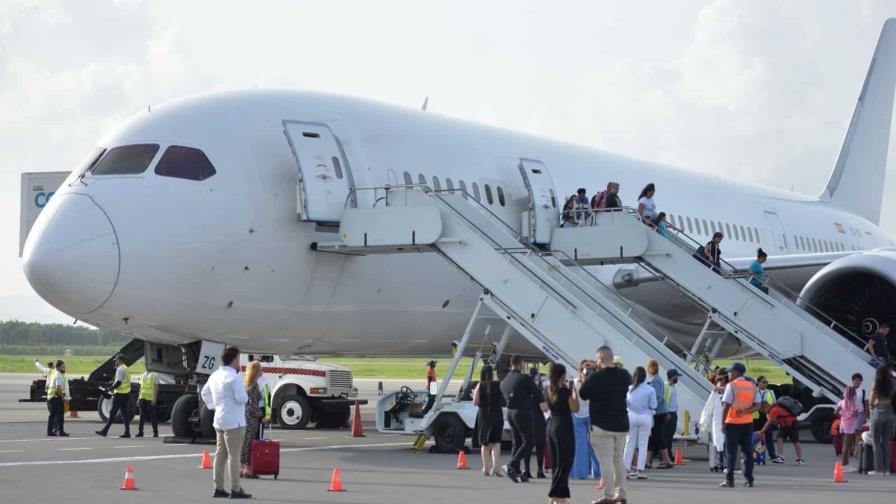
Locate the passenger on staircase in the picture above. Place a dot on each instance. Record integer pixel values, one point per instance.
(646, 206)
(577, 211)
(878, 346)
(606, 199)
(757, 272)
(662, 225)
(711, 254)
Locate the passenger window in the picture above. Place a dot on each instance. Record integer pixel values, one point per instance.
(126, 160)
(743, 235)
(422, 180)
(408, 180)
(814, 245)
(476, 192)
(690, 228)
(501, 200)
(758, 238)
(728, 231)
(796, 242)
(705, 228)
(488, 194)
(450, 185)
(435, 183)
(186, 163)
(750, 232)
(463, 189)
(553, 198)
(736, 234)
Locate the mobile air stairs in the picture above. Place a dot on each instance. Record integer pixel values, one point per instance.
(546, 296)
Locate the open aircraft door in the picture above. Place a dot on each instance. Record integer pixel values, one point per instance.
(543, 214)
(325, 179)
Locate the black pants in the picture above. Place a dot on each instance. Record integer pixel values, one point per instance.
(739, 436)
(148, 412)
(656, 442)
(121, 403)
(562, 440)
(56, 420)
(521, 430)
(539, 431)
(669, 432)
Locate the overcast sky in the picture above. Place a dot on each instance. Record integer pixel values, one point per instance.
(754, 90)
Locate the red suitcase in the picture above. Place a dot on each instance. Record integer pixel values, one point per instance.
(264, 458)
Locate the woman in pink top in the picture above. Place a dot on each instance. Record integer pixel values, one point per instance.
(849, 422)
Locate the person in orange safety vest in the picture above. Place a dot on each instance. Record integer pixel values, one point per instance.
(740, 400)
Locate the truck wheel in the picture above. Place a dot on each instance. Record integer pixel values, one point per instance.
(821, 426)
(104, 408)
(294, 412)
(449, 433)
(185, 417)
(335, 419)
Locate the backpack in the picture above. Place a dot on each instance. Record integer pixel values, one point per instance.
(598, 200)
(790, 404)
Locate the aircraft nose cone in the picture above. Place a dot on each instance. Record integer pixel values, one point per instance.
(71, 257)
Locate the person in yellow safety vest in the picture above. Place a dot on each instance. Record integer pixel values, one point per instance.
(671, 400)
(147, 400)
(740, 400)
(121, 398)
(266, 397)
(56, 384)
(767, 400)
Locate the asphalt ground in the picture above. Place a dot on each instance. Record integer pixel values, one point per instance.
(378, 468)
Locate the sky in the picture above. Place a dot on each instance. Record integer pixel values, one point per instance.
(760, 91)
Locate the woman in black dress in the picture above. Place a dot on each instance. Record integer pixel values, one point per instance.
(490, 400)
(563, 402)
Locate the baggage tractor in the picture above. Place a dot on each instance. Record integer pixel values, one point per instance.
(264, 458)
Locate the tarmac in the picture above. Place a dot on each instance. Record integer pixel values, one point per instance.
(376, 469)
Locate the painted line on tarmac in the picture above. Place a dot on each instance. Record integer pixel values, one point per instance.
(12, 451)
(187, 455)
(127, 446)
(74, 449)
(48, 438)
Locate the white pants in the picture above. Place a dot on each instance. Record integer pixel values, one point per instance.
(638, 433)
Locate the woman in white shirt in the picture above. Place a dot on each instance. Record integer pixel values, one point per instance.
(642, 404)
(646, 206)
(585, 461)
(711, 421)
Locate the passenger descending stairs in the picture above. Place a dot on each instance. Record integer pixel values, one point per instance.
(554, 303)
(771, 324)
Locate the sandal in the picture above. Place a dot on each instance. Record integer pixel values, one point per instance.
(665, 465)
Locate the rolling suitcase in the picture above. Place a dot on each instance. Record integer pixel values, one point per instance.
(866, 458)
(264, 458)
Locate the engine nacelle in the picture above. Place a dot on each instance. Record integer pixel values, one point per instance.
(857, 291)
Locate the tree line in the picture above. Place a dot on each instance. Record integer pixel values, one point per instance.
(15, 332)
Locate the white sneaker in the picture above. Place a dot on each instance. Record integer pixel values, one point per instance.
(849, 469)
(872, 473)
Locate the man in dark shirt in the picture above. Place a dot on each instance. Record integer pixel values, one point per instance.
(613, 196)
(520, 394)
(606, 390)
(877, 345)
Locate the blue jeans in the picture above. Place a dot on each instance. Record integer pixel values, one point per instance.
(585, 461)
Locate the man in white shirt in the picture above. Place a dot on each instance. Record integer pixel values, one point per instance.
(225, 393)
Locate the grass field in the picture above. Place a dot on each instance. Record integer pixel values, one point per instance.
(361, 367)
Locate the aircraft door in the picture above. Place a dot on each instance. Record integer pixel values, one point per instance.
(543, 213)
(778, 236)
(325, 180)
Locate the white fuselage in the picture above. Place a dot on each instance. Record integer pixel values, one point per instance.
(225, 258)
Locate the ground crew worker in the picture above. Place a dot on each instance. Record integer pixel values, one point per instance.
(146, 402)
(121, 399)
(56, 379)
(265, 403)
(760, 417)
(44, 370)
(671, 398)
(740, 400)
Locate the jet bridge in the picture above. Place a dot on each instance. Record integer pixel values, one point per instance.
(546, 296)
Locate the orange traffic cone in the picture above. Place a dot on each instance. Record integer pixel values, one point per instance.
(838, 473)
(357, 430)
(73, 414)
(336, 482)
(462, 460)
(129, 482)
(679, 457)
(206, 461)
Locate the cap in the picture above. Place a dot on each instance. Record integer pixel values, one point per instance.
(737, 366)
(617, 359)
(582, 190)
(119, 357)
(672, 372)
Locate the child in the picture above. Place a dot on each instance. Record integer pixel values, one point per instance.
(662, 225)
(787, 429)
(848, 410)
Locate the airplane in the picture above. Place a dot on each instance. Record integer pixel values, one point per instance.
(193, 221)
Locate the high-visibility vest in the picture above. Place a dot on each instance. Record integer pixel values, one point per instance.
(147, 388)
(266, 397)
(744, 393)
(125, 386)
(767, 396)
(52, 377)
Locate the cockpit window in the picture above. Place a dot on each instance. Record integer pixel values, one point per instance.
(126, 160)
(186, 163)
(90, 161)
